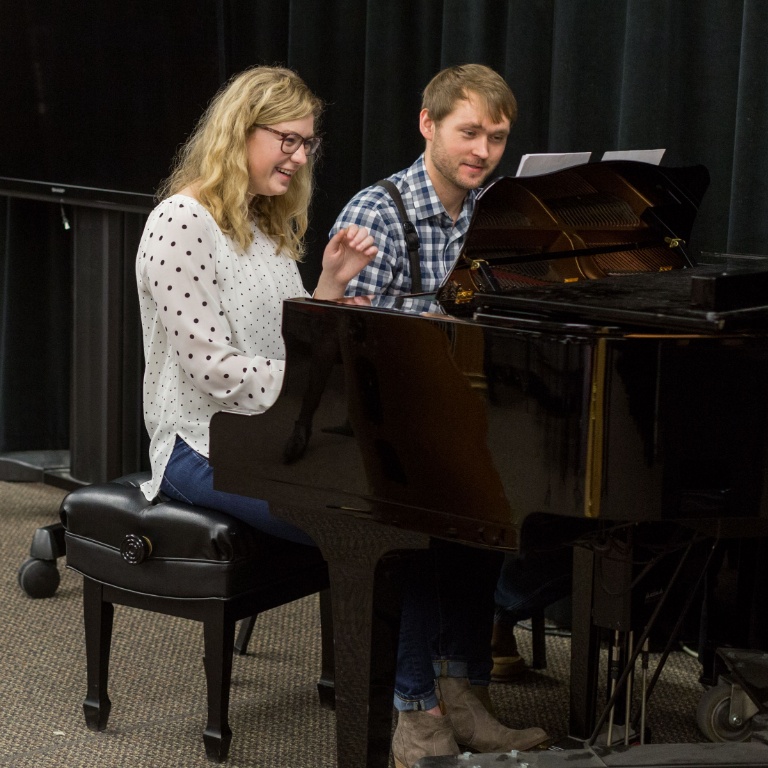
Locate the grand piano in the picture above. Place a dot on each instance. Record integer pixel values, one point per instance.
(577, 372)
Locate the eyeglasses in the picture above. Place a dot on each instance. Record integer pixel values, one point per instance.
(290, 142)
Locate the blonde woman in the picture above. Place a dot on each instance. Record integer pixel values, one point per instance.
(216, 260)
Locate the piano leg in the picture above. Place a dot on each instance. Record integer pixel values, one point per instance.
(585, 648)
(361, 557)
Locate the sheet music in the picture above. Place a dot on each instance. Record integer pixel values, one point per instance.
(534, 165)
(652, 156)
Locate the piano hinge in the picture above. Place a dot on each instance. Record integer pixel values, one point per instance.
(593, 480)
(674, 242)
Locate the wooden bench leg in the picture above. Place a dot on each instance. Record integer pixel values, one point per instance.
(244, 635)
(98, 616)
(219, 632)
(326, 690)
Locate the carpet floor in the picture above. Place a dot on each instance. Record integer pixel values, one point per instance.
(157, 683)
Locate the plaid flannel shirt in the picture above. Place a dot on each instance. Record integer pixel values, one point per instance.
(440, 240)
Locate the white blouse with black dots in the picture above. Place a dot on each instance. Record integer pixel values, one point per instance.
(211, 318)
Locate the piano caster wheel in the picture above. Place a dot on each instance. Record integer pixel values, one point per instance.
(713, 716)
(39, 578)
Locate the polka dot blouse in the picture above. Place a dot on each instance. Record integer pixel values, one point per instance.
(211, 318)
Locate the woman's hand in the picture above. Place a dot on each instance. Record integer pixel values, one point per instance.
(347, 252)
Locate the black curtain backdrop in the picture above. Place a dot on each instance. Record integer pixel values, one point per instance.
(35, 326)
(690, 76)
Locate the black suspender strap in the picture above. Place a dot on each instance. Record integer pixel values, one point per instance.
(411, 236)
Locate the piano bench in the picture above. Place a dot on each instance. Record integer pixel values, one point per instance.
(181, 560)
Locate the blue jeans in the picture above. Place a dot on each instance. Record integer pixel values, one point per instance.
(189, 478)
(446, 621)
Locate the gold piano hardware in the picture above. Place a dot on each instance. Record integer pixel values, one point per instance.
(475, 264)
(674, 242)
(464, 296)
(571, 280)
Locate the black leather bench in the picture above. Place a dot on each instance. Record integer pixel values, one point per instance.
(180, 560)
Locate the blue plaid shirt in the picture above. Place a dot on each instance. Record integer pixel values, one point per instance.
(440, 241)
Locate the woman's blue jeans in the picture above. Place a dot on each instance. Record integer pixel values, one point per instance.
(188, 477)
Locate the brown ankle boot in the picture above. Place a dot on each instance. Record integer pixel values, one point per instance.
(508, 664)
(419, 734)
(474, 728)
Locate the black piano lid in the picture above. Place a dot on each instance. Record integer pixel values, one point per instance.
(579, 224)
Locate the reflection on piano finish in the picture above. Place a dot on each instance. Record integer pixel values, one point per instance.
(464, 429)
(413, 426)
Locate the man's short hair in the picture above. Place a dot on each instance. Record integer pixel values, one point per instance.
(453, 84)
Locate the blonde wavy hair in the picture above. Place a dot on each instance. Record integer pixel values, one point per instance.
(214, 158)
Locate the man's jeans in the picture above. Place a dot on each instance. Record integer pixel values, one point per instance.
(447, 620)
(531, 580)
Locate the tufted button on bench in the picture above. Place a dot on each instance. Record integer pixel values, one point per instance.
(181, 560)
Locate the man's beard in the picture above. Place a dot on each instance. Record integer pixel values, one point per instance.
(447, 167)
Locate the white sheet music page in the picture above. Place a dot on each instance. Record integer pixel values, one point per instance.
(652, 156)
(535, 165)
